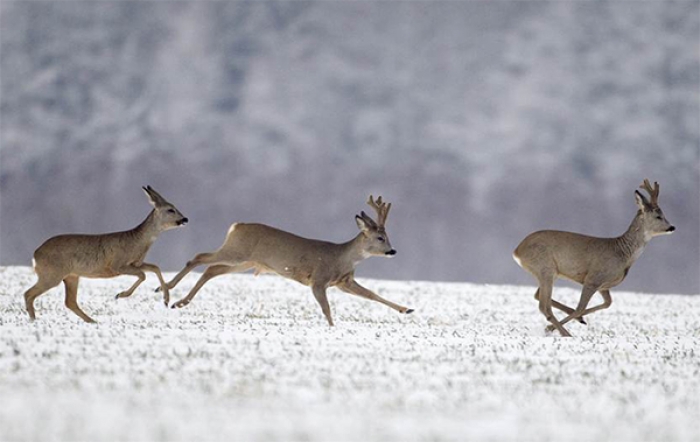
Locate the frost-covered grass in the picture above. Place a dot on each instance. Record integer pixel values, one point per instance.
(253, 359)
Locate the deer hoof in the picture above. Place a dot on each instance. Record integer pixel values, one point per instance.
(582, 321)
(409, 311)
(157, 289)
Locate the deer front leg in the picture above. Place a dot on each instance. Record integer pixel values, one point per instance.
(586, 294)
(155, 269)
(607, 302)
(354, 288)
(320, 295)
(137, 270)
(131, 270)
(563, 307)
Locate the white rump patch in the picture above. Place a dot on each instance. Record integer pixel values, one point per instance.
(231, 229)
(34, 264)
(517, 260)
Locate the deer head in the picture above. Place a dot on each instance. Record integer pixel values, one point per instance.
(166, 215)
(376, 241)
(654, 222)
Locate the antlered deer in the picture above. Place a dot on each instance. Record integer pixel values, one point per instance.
(68, 257)
(317, 264)
(597, 263)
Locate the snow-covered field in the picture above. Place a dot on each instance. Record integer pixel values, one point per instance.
(253, 359)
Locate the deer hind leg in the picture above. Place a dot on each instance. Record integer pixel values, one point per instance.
(209, 273)
(545, 298)
(354, 288)
(563, 307)
(322, 298)
(199, 259)
(71, 284)
(43, 285)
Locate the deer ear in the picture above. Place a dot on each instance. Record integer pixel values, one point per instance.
(364, 222)
(153, 196)
(642, 202)
(361, 224)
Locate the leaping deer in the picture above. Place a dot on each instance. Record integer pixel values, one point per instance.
(597, 263)
(317, 264)
(68, 257)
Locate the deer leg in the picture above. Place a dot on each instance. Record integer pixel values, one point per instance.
(134, 271)
(545, 291)
(586, 294)
(322, 298)
(199, 259)
(71, 284)
(209, 273)
(42, 286)
(154, 268)
(563, 307)
(607, 302)
(354, 288)
(567, 309)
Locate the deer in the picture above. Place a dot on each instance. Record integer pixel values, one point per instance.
(68, 257)
(598, 264)
(316, 264)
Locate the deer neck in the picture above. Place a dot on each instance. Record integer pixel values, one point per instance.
(354, 250)
(148, 230)
(631, 244)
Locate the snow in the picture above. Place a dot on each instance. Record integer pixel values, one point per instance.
(480, 121)
(251, 358)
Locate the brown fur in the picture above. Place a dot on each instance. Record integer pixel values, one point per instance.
(68, 257)
(596, 263)
(314, 263)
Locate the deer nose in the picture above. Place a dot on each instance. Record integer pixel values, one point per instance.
(671, 229)
(391, 252)
(183, 221)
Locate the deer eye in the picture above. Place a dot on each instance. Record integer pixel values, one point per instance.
(659, 217)
(171, 210)
(380, 238)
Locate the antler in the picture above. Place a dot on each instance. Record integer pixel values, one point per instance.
(382, 209)
(653, 192)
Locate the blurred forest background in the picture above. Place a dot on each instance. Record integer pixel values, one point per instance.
(481, 122)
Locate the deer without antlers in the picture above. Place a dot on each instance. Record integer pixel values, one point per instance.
(68, 257)
(597, 263)
(317, 264)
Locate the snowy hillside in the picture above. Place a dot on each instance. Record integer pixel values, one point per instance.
(480, 121)
(252, 359)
